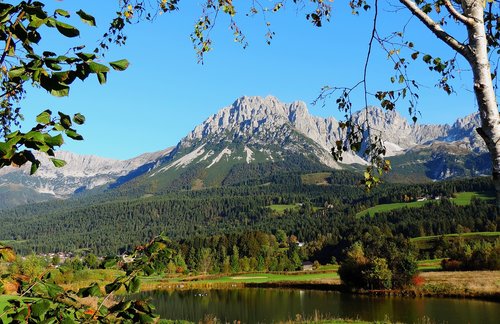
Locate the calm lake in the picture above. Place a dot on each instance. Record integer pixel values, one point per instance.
(264, 305)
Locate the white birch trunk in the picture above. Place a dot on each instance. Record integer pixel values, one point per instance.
(483, 86)
(476, 53)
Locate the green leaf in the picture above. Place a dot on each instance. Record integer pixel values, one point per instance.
(58, 163)
(86, 56)
(79, 119)
(145, 318)
(102, 76)
(74, 135)
(34, 167)
(67, 30)
(39, 308)
(62, 12)
(65, 120)
(51, 22)
(62, 91)
(97, 67)
(49, 54)
(6, 151)
(53, 290)
(53, 86)
(65, 77)
(120, 65)
(34, 37)
(52, 141)
(120, 307)
(44, 117)
(16, 72)
(86, 18)
(93, 290)
(111, 263)
(82, 71)
(134, 285)
(35, 135)
(148, 270)
(53, 66)
(58, 127)
(36, 22)
(114, 286)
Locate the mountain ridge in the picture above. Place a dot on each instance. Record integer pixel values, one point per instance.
(250, 130)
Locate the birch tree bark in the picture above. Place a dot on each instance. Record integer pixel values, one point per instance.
(476, 54)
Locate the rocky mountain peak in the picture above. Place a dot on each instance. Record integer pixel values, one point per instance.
(471, 121)
(251, 130)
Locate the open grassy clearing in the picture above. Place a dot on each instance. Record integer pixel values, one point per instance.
(329, 267)
(388, 207)
(280, 209)
(458, 282)
(254, 277)
(429, 265)
(320, 178)
(472, 235)
(269, 277)
(429, 242)
(464, 198)
(461, 199)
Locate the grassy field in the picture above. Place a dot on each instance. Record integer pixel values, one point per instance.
(461, 199)
(320, 178)
(429, 265)
(388, 207)
(428, 242)
(464, 198)
(329, 267)
(464, 235)
(280, 209)
(257, 277)
(473, 283)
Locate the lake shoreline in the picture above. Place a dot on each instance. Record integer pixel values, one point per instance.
(431, 289)
(410, 293)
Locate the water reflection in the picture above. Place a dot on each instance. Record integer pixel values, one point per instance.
(264, 305)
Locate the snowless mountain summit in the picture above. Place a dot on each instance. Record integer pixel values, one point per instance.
(251, 130)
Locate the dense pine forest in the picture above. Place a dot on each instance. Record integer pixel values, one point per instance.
(322, 215)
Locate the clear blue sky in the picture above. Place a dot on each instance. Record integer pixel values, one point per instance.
(165, 93)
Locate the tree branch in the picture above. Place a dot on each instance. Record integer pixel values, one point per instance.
(9, 39)
(457, 15)
(367, 60)
(435, 28)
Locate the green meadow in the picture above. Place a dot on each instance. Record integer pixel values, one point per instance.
(461, 199)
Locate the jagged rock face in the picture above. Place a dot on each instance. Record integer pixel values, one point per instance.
(397, 133)
(82, 172)
(263, 121)
(464, 132)
(260, 122)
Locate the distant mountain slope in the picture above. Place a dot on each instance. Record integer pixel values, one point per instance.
(82, 172)
(255, 137)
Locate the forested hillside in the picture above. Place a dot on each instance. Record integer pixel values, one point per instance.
(110, 226)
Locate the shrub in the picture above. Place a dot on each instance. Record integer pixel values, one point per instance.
(377, 274)
(451, 265)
